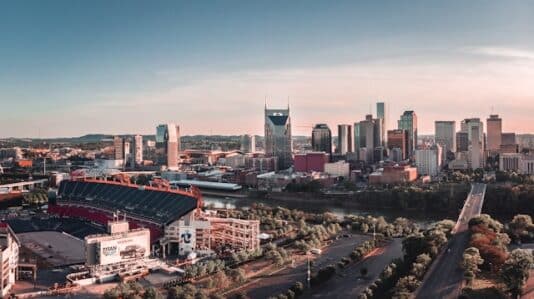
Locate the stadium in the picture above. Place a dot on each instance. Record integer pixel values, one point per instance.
(151, 207)
(173, 216)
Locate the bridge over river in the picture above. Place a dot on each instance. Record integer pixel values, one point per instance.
(444, 278)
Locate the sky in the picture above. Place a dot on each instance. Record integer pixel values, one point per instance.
(69, 68)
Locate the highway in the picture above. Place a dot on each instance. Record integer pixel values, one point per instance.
(272, 285)
(444, 278)
(348, 282)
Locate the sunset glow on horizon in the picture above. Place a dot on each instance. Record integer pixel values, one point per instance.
(140, 65)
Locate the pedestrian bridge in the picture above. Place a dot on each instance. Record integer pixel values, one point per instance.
(20, 186)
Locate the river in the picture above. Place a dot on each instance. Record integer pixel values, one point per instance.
(421, 218)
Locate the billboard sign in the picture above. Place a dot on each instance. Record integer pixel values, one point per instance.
(128, 248)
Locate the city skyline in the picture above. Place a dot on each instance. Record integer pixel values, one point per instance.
(141, 65)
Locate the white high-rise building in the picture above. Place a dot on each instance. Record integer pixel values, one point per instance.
(138, 149)
(248, 143)
(428, 161)
(9, 258)
(344, 139)
(520, 163)
(476, 144)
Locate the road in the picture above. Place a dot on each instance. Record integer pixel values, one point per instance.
(348, 283)
(444, 278)
(267, 286)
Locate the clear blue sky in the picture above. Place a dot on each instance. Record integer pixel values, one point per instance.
(68, 68)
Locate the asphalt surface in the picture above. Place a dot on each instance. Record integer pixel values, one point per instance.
(267, 286)
(348, 283)
(444, 278)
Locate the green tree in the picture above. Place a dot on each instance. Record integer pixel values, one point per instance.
(470, 262)
(515, 271)
(152, 293)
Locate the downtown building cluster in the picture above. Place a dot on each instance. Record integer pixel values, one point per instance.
(397, 155)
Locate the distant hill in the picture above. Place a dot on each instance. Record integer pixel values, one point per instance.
(93, 138)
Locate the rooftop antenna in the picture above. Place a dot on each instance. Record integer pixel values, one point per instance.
(492, 109)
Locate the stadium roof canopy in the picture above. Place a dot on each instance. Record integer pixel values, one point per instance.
(157, 205)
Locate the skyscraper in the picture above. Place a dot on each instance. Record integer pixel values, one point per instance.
(344, 139)
(445, 135)
(138, 149)
(278, 141)
(475, 148)
(381, 114)
(248, 143)
(398, 139)
(168, 145)
(127, 151)
(428, 160)
(368, 137)
(475, 140)
(494, 128)
(322, 139)
(356, 140)
(408, 122)
(462, 142)
(118, 149)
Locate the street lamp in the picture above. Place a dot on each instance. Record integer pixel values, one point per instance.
(374, 232)
(308, 278)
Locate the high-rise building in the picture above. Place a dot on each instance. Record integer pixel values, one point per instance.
(475, 133)
(381, 114)
(467, 124)
(118, 148)
(494, 130)
(248, 143)
(168, 145)
(344, 139)
(395, 154)
(476, 141)
(428, 160)
(138, 149)
(278, 141)
(398, 139)
(9, 258)
(127, 150)
(408, 122)
(445, 135)
(356, 140)
(368, 131)
(508, 138)
(462, 141)
(322, 139)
